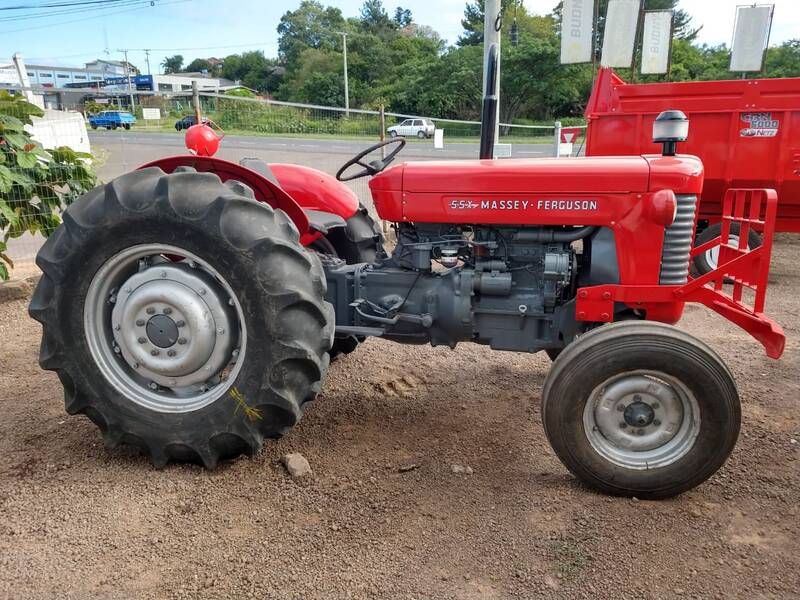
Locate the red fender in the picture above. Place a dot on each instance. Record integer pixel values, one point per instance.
(264, 189)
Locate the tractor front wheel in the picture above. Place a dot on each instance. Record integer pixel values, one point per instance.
(641, 409)
(182, 316)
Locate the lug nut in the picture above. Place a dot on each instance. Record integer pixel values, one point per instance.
(236, 353)
(620, 407)
(167, 311)
(181, 341)
(117, 327)
(142, 340)
(150, 310)
(163, 274)
(116, 350)
(640, 431)
(154, 352)
(153, 385)
(656, 422)
(220, 330)
(140, 322)
(127, 290)
(230, 302)
(171, 352)
(202, 291)
(181, 323)
(637, 398)
(135, 365)
(655, 406)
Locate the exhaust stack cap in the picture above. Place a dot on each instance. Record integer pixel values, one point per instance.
(669, 128)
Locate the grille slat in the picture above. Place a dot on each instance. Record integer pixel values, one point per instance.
(678, 239)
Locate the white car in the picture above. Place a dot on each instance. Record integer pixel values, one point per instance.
(422, 128)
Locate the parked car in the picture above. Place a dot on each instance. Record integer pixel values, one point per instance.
(188, 121)
(111, 119)
(422, 128)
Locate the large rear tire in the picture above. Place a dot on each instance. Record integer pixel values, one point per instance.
(360, 241)
(641, 409)
(182, 316)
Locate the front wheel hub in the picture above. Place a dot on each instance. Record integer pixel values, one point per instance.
(639, 414)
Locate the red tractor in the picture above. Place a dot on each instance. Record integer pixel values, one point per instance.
(192, 307)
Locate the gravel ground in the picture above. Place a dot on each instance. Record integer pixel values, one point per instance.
(384, 515)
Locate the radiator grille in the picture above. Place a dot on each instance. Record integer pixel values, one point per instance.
(678, 239)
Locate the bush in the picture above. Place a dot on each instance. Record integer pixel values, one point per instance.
(35, 184)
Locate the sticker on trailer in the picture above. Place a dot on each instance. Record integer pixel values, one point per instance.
(759, 125)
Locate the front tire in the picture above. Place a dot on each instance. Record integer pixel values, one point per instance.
(182, 316)
(421, 135)
(641, 409)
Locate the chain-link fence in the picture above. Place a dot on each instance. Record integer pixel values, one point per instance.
(316, 136)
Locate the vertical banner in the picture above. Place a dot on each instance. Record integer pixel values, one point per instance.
(656, 42)
(750, 37)
(577, 29)
(619, 37)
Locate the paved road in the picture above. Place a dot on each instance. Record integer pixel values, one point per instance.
(414, 149)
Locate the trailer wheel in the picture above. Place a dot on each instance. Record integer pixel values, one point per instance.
(181, 316)
(707, 262)
(360, 241)
(641, 409)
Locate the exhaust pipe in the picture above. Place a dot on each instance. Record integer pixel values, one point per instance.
(489, 108)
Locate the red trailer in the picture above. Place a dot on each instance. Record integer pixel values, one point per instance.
(746, 131)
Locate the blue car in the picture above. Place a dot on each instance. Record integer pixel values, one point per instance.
(111, 119)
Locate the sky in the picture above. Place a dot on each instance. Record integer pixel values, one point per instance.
(202, 28)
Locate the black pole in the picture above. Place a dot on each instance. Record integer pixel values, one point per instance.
(489, 109)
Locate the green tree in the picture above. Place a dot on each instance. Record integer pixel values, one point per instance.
(35, 184)
(309, 26)
(375, 19)
(173, 64)
(198, 65)
(784, 60)
(253, 70)
(402, 16)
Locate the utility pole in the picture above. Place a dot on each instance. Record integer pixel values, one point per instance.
(128, 73)
(147, 60)
(346, 83)
(492, 26)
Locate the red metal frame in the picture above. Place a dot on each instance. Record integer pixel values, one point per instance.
(737, 266)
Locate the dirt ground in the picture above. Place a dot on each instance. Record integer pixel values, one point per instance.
(79, 521)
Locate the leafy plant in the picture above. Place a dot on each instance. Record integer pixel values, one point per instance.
(35, 184)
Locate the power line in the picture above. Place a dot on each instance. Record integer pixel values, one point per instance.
(161, 3)
(56, 5)
(73, 11)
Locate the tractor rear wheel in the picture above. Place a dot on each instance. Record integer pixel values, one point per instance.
(182, 316)
(360, 241)
(641, 409)
(708, 261)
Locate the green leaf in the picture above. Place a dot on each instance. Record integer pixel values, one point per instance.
(6, 179)
(27, 160)
(9, 123)
(3, 268)
(16, 140)
(9, 213)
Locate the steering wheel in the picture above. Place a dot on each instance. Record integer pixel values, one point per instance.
(373, 167)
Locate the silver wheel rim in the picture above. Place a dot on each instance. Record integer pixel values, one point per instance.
(712, 256)
(642, 420)
(164, 328)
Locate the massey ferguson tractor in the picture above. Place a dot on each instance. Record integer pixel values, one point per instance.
(192, 307)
